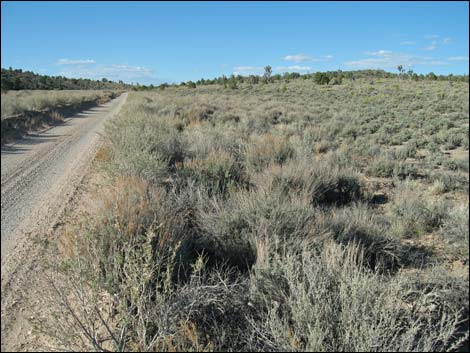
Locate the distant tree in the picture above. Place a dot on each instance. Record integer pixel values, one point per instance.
(17, 83)
(223, 80)
(451, 79)
(267, 74)
(336, 80)
(431, 76)
(409, 74)
(191, 84)
(232, 82)
(321, 78)
(254, 79)
(401, 70)
(290, 75)
(276, 77)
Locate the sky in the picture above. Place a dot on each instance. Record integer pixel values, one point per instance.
(155, 42)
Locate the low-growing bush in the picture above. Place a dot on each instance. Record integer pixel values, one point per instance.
(330, 303)
(149, 152)
(413, 214)
(360, 225)
(388, 168)
(323, 184)
(267, 149)
(454, 231)
(248, 215)
(216, 173)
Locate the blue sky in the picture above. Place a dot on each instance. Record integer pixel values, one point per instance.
(154, 42)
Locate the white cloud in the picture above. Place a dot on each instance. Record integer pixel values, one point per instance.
(297, 58)
(379, 53)
(259, 70)
(89, 68)
(431, 36)
(248, 70)
(75, 62)
(446, 41)
(408, 42)
(114, 72)
(458, 58)
(386, 59)
(293, 68)
(432, 46)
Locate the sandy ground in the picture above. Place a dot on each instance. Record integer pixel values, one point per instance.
(40, 177)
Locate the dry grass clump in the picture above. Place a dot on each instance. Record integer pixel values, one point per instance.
(454, 231)
(361, 225)
(17, 102)
(217, 172)
(266, 149)
(322, 183)
(237, 223)
(413, 215)
(326, 219)
(327, 302)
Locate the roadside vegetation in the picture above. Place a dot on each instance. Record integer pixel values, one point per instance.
(296, 215)
(25, 111)
(18, 102)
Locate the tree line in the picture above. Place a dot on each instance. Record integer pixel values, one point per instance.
(17, 79)
(321, 78)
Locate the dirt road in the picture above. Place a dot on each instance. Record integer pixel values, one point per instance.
(39, 176)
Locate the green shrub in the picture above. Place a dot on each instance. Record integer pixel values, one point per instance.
(386, 167)
(249, 215)
(413, 214)
(360, 225)
(216, 173)
(321, 78)
(322, 184)
(383, 168)
(147, 152)
(454, 231)
(334, 187)
(268, 149)
(232, 83)
(312, 303)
